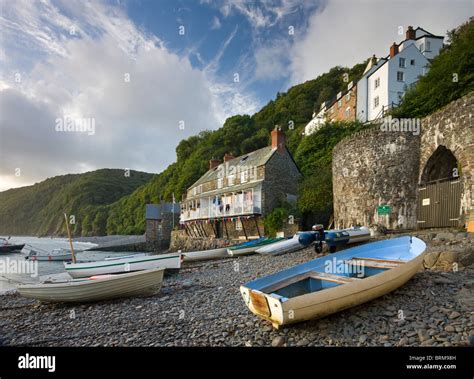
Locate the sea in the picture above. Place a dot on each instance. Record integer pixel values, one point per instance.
(15, 269)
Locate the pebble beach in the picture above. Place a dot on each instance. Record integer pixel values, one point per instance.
(202, 306)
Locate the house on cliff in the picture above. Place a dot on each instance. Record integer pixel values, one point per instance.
(231, 199)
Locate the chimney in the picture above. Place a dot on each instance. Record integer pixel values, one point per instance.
(278, 139)
(214, 163)
(410, 34)
(393, 50)
(228, 157)
(374, 59)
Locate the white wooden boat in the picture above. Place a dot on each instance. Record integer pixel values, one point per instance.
(204, 255)
(250, 247)
(35, 254)
(335, 282)
(282, 247)
(96, 288)
(123, 264)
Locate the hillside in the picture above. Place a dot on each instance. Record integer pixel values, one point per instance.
(38, 209)
(242, 134)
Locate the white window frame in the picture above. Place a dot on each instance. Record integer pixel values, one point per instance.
(377, 83)
(230, 180)
(376, 101)
(402, 62)
(348, 97)
(428, 46)
(402, 74)
(244, 177)
(347, 112)
(220, 182)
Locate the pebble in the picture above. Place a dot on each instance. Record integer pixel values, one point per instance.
(191, 311)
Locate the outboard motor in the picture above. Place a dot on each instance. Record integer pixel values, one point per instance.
(319, 237)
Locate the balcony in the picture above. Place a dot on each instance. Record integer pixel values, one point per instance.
(229, 210)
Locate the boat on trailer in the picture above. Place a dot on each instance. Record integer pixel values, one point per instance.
(334, 282)
(95, 288)
(129, 263)
(250, 247)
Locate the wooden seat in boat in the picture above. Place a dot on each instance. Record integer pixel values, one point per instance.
(374, 262)
(310, 274)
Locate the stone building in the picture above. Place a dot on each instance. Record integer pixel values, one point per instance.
(407, 180)
(232, 197)
(344, 107)
(160, 221)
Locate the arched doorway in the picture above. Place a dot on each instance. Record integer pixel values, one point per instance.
(439, 193)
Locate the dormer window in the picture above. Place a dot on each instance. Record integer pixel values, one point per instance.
(230, 180)
(244, 177)
(428, 46)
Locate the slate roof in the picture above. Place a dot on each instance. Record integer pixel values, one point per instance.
(254, 159)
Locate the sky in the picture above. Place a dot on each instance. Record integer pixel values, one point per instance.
(94, 84)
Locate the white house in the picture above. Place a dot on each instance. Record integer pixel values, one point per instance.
(317, 121)
(385, 80)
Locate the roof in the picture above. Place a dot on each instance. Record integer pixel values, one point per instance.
(254, 159)
(154, 211)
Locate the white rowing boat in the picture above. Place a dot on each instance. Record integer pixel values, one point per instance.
(335, 282)
(36, 254)
(204, 255)
(282, 247)
(123, 264)
(250, 247)
(96, 288)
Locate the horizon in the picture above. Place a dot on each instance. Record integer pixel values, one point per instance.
(101, 66)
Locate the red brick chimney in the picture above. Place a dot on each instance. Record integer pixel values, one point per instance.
(278, 139)
(410, 33)
(214, 163)
(393, 50)
(228, 157)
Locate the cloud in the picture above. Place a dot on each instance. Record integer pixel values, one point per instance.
(348, 32)
(216, 23)
(138, 122)
(271, 61)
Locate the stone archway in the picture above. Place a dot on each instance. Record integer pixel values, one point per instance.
(442, 165)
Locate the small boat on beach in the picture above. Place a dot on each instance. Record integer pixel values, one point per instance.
(287, 245)
(95, 288)
(335, 238)
(204, 255)
(123, 264)
(250, 246)
(334, 282)
(7, 247)
(36, 254)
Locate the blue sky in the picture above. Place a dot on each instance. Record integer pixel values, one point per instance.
(123, 67)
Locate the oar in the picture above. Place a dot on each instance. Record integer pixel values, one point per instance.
(70, 241)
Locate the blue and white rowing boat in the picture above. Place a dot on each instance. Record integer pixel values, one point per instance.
(334, 282)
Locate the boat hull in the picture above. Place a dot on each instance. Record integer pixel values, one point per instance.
(204, 255)
(11, 248)
(284, 311)
(126, 264)
(281, 247)
(88, 290)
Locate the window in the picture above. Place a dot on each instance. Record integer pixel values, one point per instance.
(376, 102)
(428, 46)
(401, 62)
(230, 180)
(244, 177)
(339, 103)
(412, 62)
(422, 47)
(348, 97)
(400, 76)
(377, 83)
(220, 182)
(347, 112)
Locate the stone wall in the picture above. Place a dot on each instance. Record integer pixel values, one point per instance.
(281, 178)
(374, 168)
(181, 241)
(158, 232)
(453, 128)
